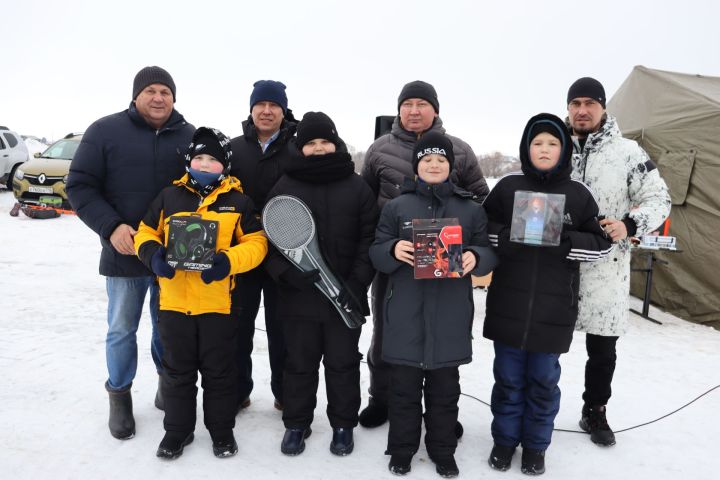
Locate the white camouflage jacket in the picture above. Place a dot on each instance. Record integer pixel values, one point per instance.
(625, 182)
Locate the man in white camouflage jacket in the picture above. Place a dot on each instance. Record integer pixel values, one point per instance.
(634, 200)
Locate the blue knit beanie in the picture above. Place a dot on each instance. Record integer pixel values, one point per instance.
(270, 91)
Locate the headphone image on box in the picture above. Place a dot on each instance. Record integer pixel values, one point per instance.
(190, 244)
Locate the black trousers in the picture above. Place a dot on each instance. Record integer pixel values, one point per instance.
(599, 368)
(246, 303)
(308, 342)
(441, 388)
(379, 368)
(204, 343)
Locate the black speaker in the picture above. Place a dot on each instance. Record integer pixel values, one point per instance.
(383, 125)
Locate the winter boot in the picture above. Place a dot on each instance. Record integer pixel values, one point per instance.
(243, 405)
(374, 415)
(501, 457)
(342, 442)
(173, 444)
(399, 464)
(224, 444)
(293, 442)
(122, 422)
(533, 461)
(278, 405)
(459, 430)
(594, 422)
(446, 467)
(159, 400)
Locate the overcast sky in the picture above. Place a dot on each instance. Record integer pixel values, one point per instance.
(494, 64)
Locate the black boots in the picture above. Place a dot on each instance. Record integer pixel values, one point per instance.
(400, 464)
(122, 422)
(159, 401)
(342, 442)
(533, 461)
(374, 415)
(594, 422)
(501, 457)
(446, 467)
(224, 444)
(293, 442)
(173, 444)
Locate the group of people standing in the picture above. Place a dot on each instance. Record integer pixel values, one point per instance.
(138, 168)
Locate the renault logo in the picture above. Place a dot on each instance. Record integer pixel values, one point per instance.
(41, 178)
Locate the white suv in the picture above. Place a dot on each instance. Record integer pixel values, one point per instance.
(13, 152)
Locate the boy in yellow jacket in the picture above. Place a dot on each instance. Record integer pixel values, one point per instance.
(196, 329)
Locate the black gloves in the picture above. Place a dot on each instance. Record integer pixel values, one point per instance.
(219, 270)
(300, 280)
(159, 266)
(351, 294)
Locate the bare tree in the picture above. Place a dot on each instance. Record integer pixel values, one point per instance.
(496, 164)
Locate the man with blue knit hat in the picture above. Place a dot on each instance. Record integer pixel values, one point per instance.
(122, 163)
(260, 157)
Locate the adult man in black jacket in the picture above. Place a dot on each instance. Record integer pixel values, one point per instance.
(261, 155)
(122, 163)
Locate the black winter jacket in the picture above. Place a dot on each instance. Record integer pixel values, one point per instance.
(532, 302)
(428, 322)
(345, 214)
(257, 170)
(120, 166)
(388, 162)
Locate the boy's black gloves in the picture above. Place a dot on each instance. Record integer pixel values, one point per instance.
(219, 270)
(350, 295)
(159, 266)
(300, 280)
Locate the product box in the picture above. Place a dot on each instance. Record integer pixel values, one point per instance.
(438, 248)
(191, 242)
(537, 218)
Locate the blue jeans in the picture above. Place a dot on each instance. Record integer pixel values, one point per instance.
(126, 296)
(525, 398)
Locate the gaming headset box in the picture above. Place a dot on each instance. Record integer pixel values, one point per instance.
(191, 242)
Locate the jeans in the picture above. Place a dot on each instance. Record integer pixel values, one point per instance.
(126, 296)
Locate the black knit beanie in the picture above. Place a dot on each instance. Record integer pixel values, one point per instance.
(269, 91)
(419, 89)
(210, 141)
(587, 87)
(433, 142)
(316, 125)
(148, 76)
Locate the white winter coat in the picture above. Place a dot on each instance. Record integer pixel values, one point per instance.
(625, 182)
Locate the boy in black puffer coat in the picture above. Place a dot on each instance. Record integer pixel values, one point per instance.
(321, 174)
(427, 326)
(532, 303)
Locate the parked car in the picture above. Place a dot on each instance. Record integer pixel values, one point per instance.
(13, 153)
(41, 181)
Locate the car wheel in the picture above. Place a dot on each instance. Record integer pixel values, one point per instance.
(11, 175)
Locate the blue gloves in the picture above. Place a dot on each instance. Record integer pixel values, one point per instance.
(219, 270)
(159, 266)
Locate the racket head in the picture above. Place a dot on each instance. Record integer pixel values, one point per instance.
(288, 222)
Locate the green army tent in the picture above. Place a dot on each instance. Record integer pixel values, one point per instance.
(675, 117)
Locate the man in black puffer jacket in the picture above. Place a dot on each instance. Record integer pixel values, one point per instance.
(261, 155)
(122, 163)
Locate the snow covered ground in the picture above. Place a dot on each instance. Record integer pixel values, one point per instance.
(53, 407)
